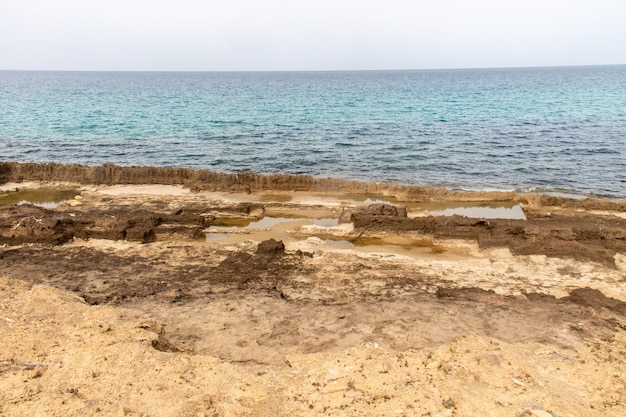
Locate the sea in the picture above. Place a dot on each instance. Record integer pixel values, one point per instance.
(554, 130)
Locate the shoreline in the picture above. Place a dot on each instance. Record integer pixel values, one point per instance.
(248, 182)
(206, 180)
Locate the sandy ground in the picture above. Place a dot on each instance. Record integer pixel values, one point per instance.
(158, 301)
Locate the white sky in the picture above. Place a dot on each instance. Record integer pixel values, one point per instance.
(308, 34)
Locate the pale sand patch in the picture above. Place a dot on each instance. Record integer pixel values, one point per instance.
(12, 186)
(148, 189)
(608, 213)
(620, 262)
(103, 244)
(464, 265)
(64, 357)
(290, 199)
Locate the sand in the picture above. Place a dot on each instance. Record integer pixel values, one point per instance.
(115, 303)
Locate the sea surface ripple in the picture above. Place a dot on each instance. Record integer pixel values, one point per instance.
(527, 129)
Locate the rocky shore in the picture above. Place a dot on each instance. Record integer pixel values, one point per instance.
(167, 292)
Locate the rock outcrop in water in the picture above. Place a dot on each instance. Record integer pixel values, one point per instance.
(204, 180)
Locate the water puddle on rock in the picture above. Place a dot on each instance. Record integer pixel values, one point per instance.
(216, 236)
(224, 228)
(479, 210)
(329, 231)
(43, 197)
(474, 210)
(45, 204)
(340, 243)
(300, 229)
(267, 221)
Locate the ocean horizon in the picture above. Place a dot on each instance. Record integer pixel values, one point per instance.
(532, 129)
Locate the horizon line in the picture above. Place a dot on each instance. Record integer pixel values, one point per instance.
(320, 70)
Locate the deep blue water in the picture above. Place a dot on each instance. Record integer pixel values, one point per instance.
(542, 129)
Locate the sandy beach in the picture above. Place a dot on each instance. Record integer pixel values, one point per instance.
(147, 291)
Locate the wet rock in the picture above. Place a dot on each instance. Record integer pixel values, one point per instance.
(235, 261)
(34, 230)
(593, 298)
(484, 223)
(176, 231)
(475, 294)
(264, 269)
(5, 172)
(253, 210)
(26, 223)
(141, 234)
(382, 209)
(596, 239)
(373, 211)
(271, 247)
(346, 216)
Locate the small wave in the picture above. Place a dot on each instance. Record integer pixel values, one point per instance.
(603, 151)
(226, 122)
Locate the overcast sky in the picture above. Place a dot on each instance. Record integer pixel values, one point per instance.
(308, 34)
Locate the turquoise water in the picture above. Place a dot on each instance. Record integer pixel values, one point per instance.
(541, 129)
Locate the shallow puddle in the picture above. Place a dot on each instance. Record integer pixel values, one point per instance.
(227, 223)
(47, 204)
(481, 210)
(43, 197)
(237, 230)
(216, 236)
(341, 243)
(377, 201)
(265, 222)
(509, 211)
(220, 230)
